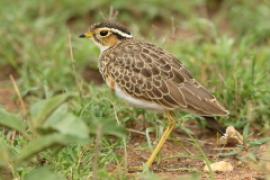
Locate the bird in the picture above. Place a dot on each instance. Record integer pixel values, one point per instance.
(149, 77)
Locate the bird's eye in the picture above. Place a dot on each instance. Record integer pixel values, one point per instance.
(103, 33)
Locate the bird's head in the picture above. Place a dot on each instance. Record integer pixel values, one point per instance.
(107, 34)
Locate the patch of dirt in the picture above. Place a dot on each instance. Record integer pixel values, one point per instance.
(6, 71)
(180, 157)
(92, 76)
(7, 93)
(213, 6)
(5, 173)
(7, 99)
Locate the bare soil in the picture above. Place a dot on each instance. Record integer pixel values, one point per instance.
(181, 159)
(92, 75)
(6, 71)
(7, 99)
(7, 93)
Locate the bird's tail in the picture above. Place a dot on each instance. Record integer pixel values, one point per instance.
(214, 125)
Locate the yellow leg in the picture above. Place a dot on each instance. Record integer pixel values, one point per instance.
(164, 137)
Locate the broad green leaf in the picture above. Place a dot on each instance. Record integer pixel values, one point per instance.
(108, 126)
(44, 142)
(99, 113)
(43, 173)
(11, 121)
(4, 155)
(66, 123)
(41, 110)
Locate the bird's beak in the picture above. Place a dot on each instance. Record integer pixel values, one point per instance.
(86, 35)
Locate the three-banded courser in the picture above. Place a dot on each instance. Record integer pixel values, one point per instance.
(149, 77)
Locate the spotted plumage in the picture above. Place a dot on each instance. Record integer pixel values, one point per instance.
(150, 74)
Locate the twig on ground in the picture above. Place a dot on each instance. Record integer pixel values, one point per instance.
(16, 88)
(135, 131)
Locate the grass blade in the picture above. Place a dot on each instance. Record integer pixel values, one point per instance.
(41, 110)
(43, 173)
(44, 142)
(66, 123)
(11, 121)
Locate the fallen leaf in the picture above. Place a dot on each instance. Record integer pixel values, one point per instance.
(221, 166)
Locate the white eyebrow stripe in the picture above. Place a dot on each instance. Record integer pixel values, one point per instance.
(121, 33)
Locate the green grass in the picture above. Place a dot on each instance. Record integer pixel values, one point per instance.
(228, 53)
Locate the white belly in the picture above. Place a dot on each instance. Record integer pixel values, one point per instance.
(136, 102)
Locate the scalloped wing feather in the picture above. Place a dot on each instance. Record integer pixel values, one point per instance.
(150, 74)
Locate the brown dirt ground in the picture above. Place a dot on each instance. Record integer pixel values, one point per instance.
(92, 75)
(180, 159)
(6, 98)
(7, 93)
(5, 71)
